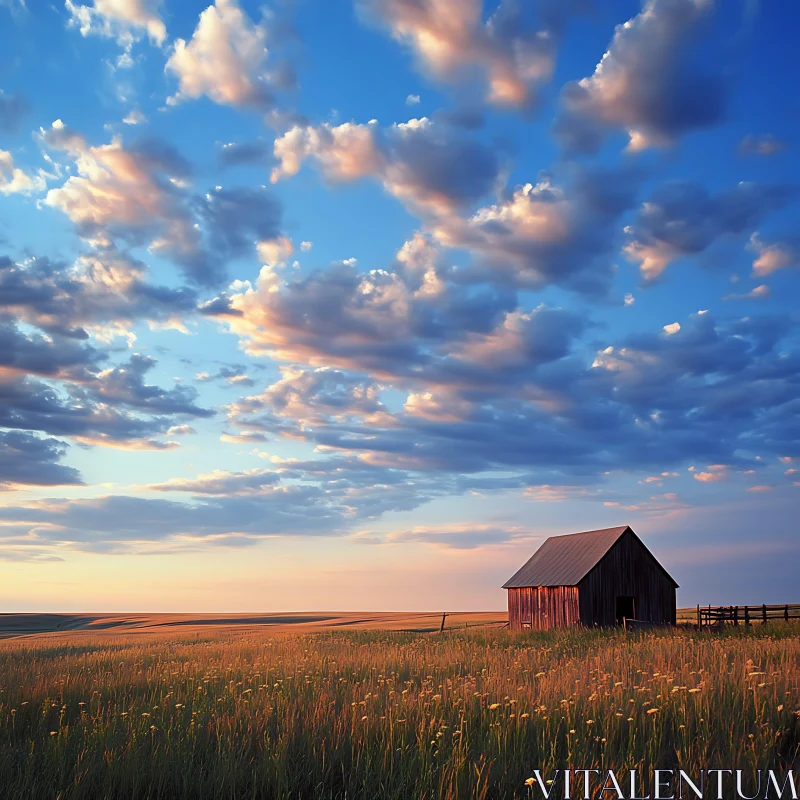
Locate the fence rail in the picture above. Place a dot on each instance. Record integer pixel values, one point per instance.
(715, 616)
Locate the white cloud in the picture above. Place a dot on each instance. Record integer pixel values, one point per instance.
(275, 252)
(134, 117)
(123, 20)
(412, 100)
(672, 328)
(14, 180)
(225, 59)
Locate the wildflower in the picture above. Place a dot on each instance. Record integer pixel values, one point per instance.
(590, 722)
(572, 730)
(363, 719)
(493, 706)
(524, 716)
(651, 711)
(530, 781)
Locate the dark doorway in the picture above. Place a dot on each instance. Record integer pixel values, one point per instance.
(625, 609)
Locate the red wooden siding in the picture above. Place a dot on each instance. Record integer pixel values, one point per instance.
(541, 607)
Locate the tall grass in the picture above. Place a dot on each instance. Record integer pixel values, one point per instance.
(381, 715)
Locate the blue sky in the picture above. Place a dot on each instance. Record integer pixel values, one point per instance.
(349, 305)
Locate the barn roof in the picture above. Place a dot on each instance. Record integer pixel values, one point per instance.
(566, 560)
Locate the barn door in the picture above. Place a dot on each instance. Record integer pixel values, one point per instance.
(626, 608)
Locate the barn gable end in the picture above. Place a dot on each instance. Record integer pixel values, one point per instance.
(627, 570)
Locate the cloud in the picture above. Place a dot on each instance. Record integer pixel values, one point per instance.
(29, 460)
(647, 84)
(234, 374)
(33, 353)
(234, 154)
(504, 60)
(237, 220)
(125, 385)
(15, 7)
(243, 437)
(134, 117)
(772, 256)
(14, 180)
(224, 60)
(123, 20)
(546, 233)
(120, 524)
(411, 323)
(758, 293)
(412, 100)
(484, 379)
(181, 430)
(221, 482)
(764, 144)
(425, 164)
(464, 536)
(682, 219)
(129, 194)
(62, 387)
(533, 236)
(105, 289)
(13, 108)
(715, 473)
(138, 196)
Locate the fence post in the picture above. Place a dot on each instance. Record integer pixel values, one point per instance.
(699, 620)
(442, 628)
(764, 614)
(747, 616)
(736, 616)
(786, 613)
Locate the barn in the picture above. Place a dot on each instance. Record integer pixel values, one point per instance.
(592, 578)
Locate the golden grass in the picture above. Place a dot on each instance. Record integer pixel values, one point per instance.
(247, 713)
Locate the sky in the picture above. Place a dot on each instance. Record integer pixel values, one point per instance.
(349, 305)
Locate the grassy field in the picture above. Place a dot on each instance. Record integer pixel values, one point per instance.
(244, 713)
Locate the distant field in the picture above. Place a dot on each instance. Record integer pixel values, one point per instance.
(301, 622)
(249, 710)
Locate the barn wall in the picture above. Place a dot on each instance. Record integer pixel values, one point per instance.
(627, 569)
(542, 607)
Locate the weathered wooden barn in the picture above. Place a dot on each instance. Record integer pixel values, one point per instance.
(592, 578)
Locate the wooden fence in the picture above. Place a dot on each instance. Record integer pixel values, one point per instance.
(714, 616)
